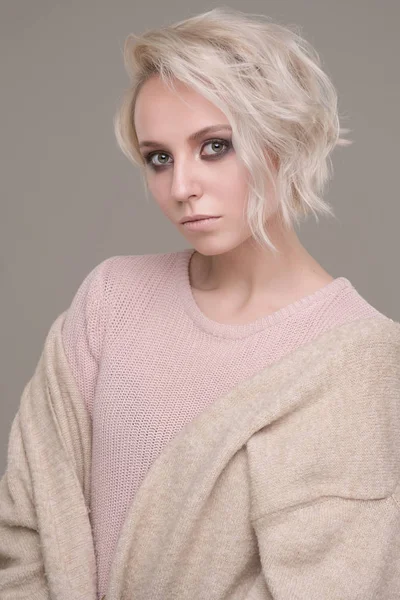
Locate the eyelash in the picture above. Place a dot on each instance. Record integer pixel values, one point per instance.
(226, 143)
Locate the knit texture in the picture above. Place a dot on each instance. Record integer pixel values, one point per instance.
(147, 361)
(46, 541)
(285, 487)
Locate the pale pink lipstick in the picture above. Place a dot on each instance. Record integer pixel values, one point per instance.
(201, 224)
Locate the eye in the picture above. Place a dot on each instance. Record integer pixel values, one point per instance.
(221, 146)
(149, 159)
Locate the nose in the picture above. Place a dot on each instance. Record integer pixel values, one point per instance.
(185, 180)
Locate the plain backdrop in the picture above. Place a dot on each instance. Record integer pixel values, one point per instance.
(70, 199)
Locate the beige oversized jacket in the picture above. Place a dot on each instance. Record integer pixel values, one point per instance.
(287, 488)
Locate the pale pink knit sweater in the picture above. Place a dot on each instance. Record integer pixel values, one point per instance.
(147, 361)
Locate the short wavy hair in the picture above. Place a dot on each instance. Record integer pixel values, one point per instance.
(269, 83)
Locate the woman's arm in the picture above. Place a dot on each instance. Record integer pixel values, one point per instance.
(45, 491)
(326, 482)
(332, 548)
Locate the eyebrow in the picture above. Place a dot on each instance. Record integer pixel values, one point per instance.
(193, 137)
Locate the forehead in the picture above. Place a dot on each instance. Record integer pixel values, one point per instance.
(160, 110)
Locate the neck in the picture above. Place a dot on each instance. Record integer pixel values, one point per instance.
(249, 271)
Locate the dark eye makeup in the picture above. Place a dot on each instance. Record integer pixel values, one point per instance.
(226, 145)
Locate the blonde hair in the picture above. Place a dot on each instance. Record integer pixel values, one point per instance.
(269, 83)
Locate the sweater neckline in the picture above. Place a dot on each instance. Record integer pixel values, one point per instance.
(244, 329)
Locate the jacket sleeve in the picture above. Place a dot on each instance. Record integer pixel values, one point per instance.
(22, 572)
(45, 491)
(326, 495)
(332, 548)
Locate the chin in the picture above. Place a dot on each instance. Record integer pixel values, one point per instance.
(215, 247)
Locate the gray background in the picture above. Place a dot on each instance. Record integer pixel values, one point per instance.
(70, 199)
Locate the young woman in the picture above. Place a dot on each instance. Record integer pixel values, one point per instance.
(228, 415)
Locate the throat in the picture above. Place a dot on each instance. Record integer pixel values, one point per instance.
(234, 309)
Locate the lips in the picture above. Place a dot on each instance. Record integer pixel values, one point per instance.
(200, 219)
(201, 224)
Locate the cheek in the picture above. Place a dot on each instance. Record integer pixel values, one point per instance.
(233, 182)
(158, 187)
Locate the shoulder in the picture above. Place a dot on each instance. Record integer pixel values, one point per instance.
(349, 305)
(337, 429)
(109, 279)
(128, 270)
(127, 285)
(365, 340)
(359, 360)
(111, 292)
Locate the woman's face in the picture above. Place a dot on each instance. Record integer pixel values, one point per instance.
(189, 176)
